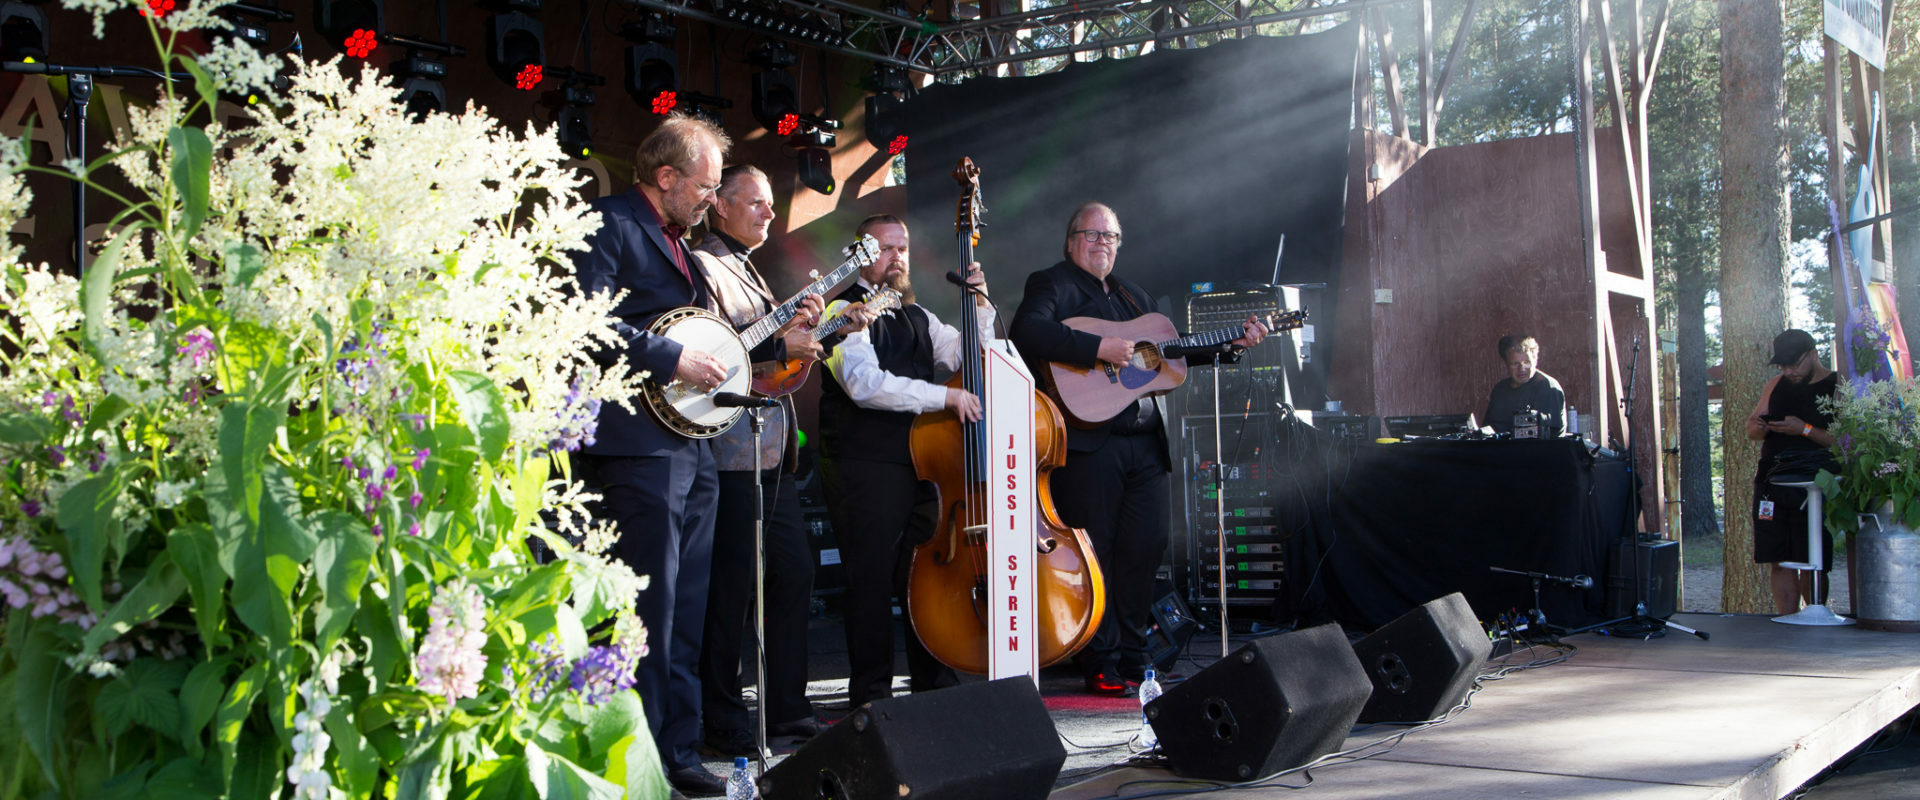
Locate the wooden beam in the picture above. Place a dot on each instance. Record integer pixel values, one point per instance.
(1390, 70)
(1426, 73)
(1453, 56)
(1659, 46)
(1629, 152)
(1836, 182)
(1626, 285)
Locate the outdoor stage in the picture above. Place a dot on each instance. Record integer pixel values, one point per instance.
(1752, 713)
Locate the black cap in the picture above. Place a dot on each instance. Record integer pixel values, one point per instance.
(1790, 346)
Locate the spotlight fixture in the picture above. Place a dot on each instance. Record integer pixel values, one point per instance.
(573, 123)
(815, 166)
(422, 92)
(704, 106)
(352, 26)
(883, 125)
(516, 50)
(23, 33)
(776, 97)
(819, 27)
(652, 76)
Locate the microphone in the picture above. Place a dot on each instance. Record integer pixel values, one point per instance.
(1579, 582)
(734, 400)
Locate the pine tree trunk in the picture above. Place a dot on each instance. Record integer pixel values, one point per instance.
(1753, 262)
(1690, 334)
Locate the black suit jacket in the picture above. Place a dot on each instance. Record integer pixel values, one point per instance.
(1063, 291)
(630, 253)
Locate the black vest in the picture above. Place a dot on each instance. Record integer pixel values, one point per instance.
(904, 347)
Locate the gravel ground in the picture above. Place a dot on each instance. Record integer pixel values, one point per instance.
(1701, 573)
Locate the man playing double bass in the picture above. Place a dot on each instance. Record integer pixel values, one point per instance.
(884, 376)
(1114, 484)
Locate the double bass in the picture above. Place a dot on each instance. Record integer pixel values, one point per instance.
(946, 586)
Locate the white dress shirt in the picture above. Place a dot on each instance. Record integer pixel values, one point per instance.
(857, 367)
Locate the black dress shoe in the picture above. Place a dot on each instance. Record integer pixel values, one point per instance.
(803, 728)
(728, 742)
(697, 782)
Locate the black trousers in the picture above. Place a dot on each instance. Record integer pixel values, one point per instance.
(880, 512)
(789, 587)
(1118, 493)
(663, 508)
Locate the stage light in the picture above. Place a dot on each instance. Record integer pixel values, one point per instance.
(352, 26)
(23, 33)
(576, 132)
(516, 50)
(815, 165)
(653, 79)
(776, 100)
(422, 93)
(883, 126)
(157, 8)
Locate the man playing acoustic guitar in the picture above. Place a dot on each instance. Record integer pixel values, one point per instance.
(1115, 482)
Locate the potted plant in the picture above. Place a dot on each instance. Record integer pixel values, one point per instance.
(1876, 430)
(270, 467)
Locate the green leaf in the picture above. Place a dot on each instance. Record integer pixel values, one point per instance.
(203, 83)
(341, 561)
(356, 760)
(619, 717)
(258, 769)
(28, 429)
(96, 292)
(154, 594)
(192, 176)
(425, 779)
(594, 583)
(634, 763)
(484, 410)
(86, 515)
(244, 262)
(107, 413)
(40, 700)
(501, 779)
(196, 552)
(382, 709)
(143, 693)
(527, 491)
(199, 699)
(185, 778)
(555, 778)
(231, 719)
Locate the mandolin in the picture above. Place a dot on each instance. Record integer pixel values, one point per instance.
(776, 378)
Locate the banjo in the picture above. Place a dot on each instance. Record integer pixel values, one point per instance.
(686, 409)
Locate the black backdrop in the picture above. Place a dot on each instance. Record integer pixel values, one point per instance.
(1207, 155)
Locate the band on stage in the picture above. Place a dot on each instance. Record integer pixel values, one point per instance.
(678, 473)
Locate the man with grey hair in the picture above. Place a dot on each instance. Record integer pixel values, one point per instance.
(658, 488)
(739, 222)
(1115, 482)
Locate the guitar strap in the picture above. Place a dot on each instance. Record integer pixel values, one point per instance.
(1128, 296)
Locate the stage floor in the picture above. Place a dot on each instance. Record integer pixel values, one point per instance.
(1752, 713)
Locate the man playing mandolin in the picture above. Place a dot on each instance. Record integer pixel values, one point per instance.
(1114, 484)
(740, 220)
(883, 376)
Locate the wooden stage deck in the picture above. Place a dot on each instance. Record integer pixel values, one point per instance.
(1752, 714)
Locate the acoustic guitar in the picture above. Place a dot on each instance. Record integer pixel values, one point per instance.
(689, 411)
(776, 378)
(1097, 394)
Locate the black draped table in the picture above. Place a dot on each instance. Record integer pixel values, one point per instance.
(1381, 528)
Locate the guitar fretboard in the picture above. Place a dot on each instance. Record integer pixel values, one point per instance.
(862, 254)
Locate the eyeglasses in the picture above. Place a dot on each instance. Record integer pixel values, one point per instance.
(1097, 237)
(704, 188)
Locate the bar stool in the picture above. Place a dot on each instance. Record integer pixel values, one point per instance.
(1815, 613)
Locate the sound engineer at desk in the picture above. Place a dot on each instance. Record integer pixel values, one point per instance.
(1525, 387)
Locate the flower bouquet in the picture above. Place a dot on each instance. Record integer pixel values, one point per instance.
(1876, 430)
(272, 464)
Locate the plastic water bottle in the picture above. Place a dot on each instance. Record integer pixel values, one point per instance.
(740, 783)
(1149, 689)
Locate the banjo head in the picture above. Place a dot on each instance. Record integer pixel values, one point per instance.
(685, 408)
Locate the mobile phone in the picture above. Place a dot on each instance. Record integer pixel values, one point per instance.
(1771, 417)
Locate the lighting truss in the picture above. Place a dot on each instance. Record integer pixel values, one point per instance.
(1040, 39)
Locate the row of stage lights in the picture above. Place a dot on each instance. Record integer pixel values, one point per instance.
(516, 53)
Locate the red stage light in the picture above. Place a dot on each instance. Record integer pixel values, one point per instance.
(898, 145)
(528, 78)
(157, 8)
(664, 102)
(361, 43)
(788, 124)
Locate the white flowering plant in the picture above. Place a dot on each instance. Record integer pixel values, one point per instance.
(1876, 431)
(272, 466)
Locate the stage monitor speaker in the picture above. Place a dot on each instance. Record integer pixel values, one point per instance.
(1275, 704)
(1172, 626)
(1659, 569)
(990, 739)
(1423, 663)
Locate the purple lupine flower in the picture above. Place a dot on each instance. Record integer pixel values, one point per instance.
(198, 346)
(546, 667)
(579, 417)
(389, 473)
(57, 454)
(31, 507)
(604, 671)
(418, 421)
(413, 501)
(420, 459)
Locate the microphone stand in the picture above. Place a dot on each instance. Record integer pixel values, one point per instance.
(759, 595)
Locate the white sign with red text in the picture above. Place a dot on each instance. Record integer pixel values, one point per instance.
(1013, 646)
